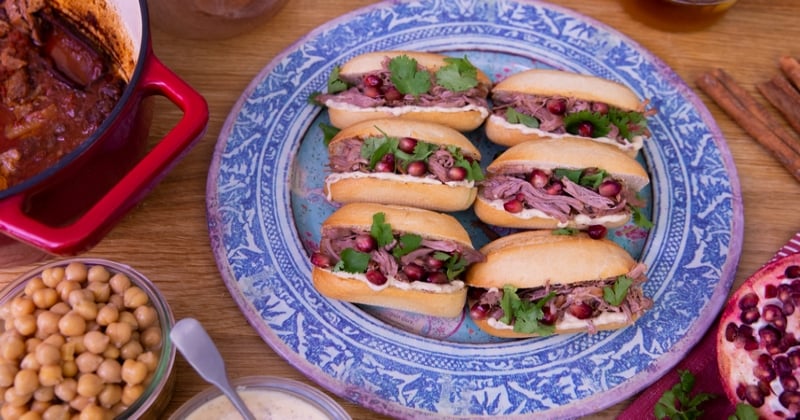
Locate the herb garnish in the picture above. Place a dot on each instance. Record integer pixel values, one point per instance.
(616, 293)
(525, 315)
(407, 77)
(515, 117)
(687, 406)
(458, 75)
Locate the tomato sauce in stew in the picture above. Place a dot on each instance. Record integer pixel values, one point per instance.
(56, 89)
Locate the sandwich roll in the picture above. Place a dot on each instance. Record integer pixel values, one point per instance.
(408, 85)
(542, 103)
(537, 283)
(397, 257)
(562, 183)
(411, 163)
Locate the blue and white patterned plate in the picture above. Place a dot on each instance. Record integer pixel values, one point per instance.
(265, 207)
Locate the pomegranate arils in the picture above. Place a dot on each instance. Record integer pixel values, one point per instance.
(556, 106)
(513, 206)
(790, 399)
(585, 129)
(372, 92)
(764, 369)
(539, 178)
(417, 168)
(365, 242)
(753, 396)
(731, 332)
(600, 107)
(373, 80)
(792, 271)
(554, 188)
(376, 277)
(407, 144)
(789, 383)
(321, 260)
(609, 188)
(750, 316)
(414, 272)
(438, 277)
(748, 301)
(549, 317)
(596, 231)
(580, 310)
(479, 311)
(770, 291)
(384, 167)
(769, 335)
(392, 94)
(457, 173)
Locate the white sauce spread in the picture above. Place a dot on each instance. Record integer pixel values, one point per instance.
(579, 221)
(634, 144)
(400, 110)
(336, 177)
(265, 405)
(451, 287)
(570, 322)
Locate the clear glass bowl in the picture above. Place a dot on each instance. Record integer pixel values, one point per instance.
(159, 391)
(272, 387)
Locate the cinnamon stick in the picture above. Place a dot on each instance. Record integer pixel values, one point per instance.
(784, 97)
(791, 68)
(752, 120)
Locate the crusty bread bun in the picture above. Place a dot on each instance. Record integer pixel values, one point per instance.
(549, 154)
(546, 82)
(399, 189)
(537, 259)
(463, 119)
(441, 300)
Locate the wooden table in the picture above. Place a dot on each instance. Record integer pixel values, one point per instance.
(166, 237)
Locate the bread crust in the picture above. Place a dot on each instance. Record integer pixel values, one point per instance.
(439, 197)
(484, 325)
(447, 305)
(549, 82)
(427, 223)
(532, 259)
(572, 153)
(488, 213)
(462, 119)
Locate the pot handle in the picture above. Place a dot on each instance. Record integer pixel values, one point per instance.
(86, 231)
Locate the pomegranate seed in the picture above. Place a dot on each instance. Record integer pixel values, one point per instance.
(554, 188)
(769, 335)
(750, 316)
(479, 311)
(782, 366)
(438, 277)
(556, 106)
(609, 188)
(376, 277)
(580, 310)
(600, 107)
(764, 369)
(549, 316)
(384, 167)
(372, 92)
(773, 314)
(373, 80)
(414, 272)
(407, 144)
(539, 178)
(789, 383)
(596, 231)
(748, 301)
(789, 399)
(433, 263)
(770, 291)
(417, 168)
(392, 94)
(513, 206)
(388, 158)
(731, 332)
(321, 260)
(365, 243)
(792, 271)
(475, 293)
(753, 396)
(750, 344)
(740, 390)
(794, 358)
(788, 308)
(457, 173)
(585, 129)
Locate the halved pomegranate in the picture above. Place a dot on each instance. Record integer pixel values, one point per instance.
(758, 348)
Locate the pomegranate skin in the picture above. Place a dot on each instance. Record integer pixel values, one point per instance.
(760, 358)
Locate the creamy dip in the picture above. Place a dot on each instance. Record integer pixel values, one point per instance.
(400, 110)
(265, 405)
(450, 287)
(579, 221)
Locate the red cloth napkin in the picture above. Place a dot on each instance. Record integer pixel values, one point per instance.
(702, 362)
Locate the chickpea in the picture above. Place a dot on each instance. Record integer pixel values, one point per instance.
(107, 314)
(111, 352)
(79, 295)
(146, 316)
(110, 371)
(25, 324)
(135, 297)
(98, 273)
(65, 288)
(45, 393)
(12, 346)
(22, 305)
(110, 395)
(77, 342)
(69, 369)
(48, 354)
(30, 362)
(72, 324)
(87, 309)
(150, 359)
(9, 411)
(88, 362)
(52, 276)
(94, 412)
(33, 285)
(151, 337)
(60, 308)
(116, 300)
(55, 339)
(66, 390)
(38, 407)
(79, 403)
(44, 298)
(12, 396)
(119, 333)
(26, 381)
(133, 372)
(129, 318)
(119, 283)
(131, 393)
(47, 322)
(31, 344)
(131, 350)
(76, 271)
(56, 412)
(8, 371)
(101, 291)
(89, 385)
(50, 375)
(96, 342)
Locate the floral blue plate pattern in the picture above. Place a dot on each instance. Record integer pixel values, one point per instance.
(265, 206)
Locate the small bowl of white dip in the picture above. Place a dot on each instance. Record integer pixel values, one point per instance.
(267, 397)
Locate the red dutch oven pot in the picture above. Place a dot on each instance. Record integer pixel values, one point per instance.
(69, 207)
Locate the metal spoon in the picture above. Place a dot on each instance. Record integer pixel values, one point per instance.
(192, 340)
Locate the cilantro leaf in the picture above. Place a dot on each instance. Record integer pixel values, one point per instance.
(565, 231)
(335, 83)
(474, 171)
(629, 123)
(676, 403)
(406, 243)
(616, 293)
(380, 230)
(375, 148)
(524, 315)
(352, 261)
(454, 264)
(639, 218)
(585, 178)
(328, 132)
(458, 75)
(599, 121)
(407, 77)
(744, 412)
(515, 117)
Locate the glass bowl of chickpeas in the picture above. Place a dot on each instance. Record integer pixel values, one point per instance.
(85, 338)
